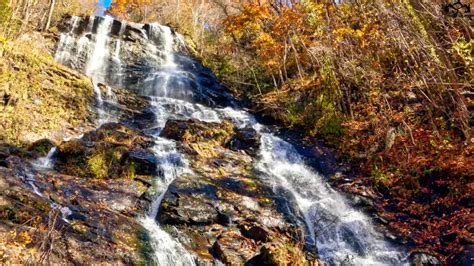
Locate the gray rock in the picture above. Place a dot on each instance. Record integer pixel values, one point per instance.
(143, 161)
(247, 139)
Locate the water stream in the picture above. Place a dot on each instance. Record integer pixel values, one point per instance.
(341, 234)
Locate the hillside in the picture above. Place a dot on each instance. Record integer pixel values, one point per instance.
(267, 132)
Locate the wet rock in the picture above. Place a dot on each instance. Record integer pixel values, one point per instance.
(93, 229)
(40, 148)
(222, 204)
(192, 130)
(189, 201)
(234, 249)
(112, 151)
(141, 161)
(247, 139)
(7, 150)
(423, 259)
(119, 134)
(255, 231)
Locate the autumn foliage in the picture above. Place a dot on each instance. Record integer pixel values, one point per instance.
(386, 83)
(132, 10)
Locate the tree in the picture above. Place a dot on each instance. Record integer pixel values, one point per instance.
(50, 14)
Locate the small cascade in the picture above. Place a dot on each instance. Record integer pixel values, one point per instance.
(118, 44)
(90, 23)
(111, 97)
(47, 162)
(98, 62)
(66, 43)
(100, 103)
(178, 109)
(171, 165)
(83, 44)
(41, 165)
(342, 234)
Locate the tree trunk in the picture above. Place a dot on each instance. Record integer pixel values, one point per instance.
(50, 14)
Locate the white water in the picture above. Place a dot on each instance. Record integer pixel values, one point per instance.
(63, 52)
(97, 64)
(171, 165)
(341, 234)
(118, 46)
(45, 164)
(47, 161)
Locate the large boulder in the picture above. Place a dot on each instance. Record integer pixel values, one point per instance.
(247, 139)
(112, 151)
(192, 130)
(234, 249)
(189, 201)
(140, 161)
(41, 148)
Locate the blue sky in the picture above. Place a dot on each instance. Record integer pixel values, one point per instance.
(101, 7)
(105, 3)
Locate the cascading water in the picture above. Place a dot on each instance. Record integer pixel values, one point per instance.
(47, 161)
(341, 234)
(97, 65)
(66, 41)
(171, 165)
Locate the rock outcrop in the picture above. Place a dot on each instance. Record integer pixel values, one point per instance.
(137, 60)
(223, 210)
(114, 150)
(69, 219)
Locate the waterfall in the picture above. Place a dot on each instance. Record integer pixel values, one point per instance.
(172, 165)
(340, 233)
(97, 64)
(47, 161)
(118, 46)
(66, 41)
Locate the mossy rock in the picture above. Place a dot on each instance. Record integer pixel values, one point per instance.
(112, 151)
(192, 130)
(282, 254)
(41, 148)
(119, 134)
(45, 99)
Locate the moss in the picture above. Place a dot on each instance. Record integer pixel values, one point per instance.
(43, 97)
(14, 215)
(43, 206)
(130, 170)
(98, 165)
(80, 228)
(265, 201)
(283, 254)
(379, 178)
